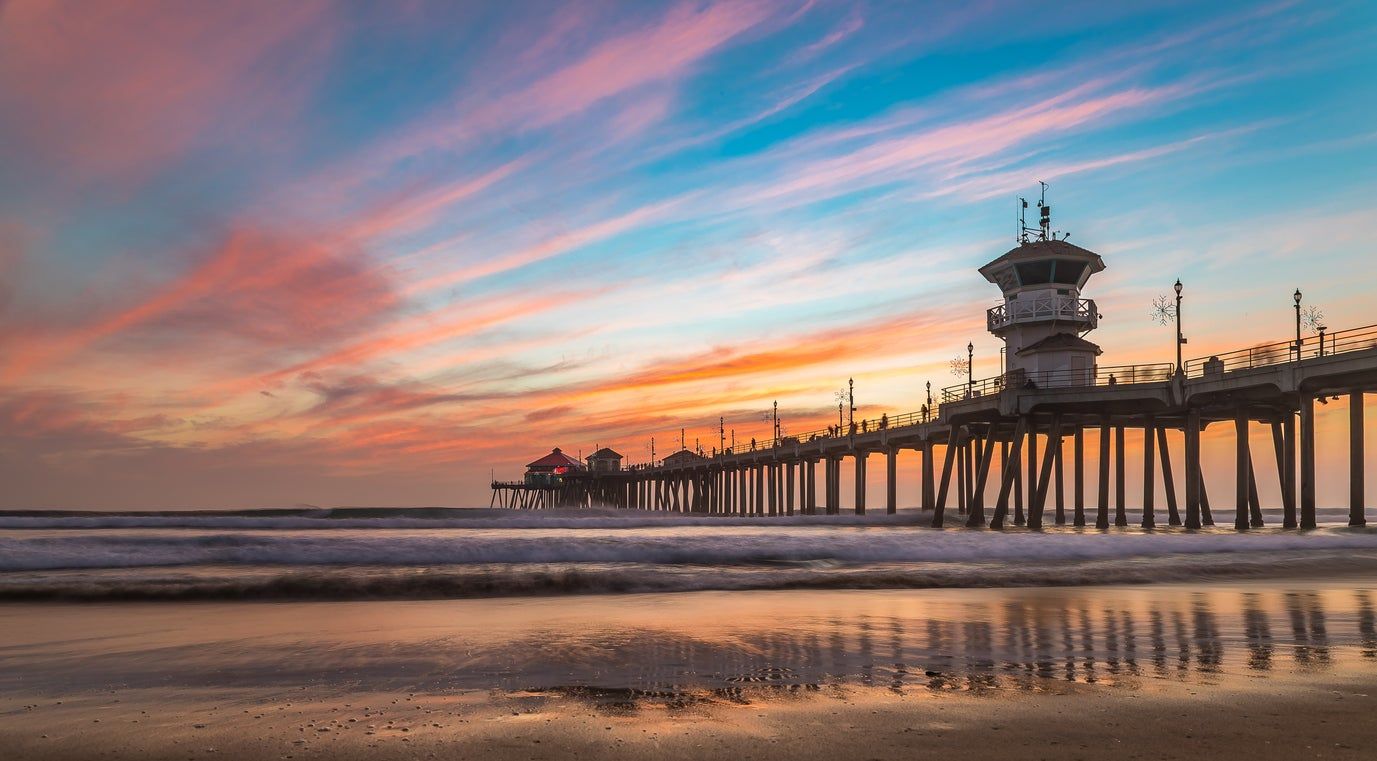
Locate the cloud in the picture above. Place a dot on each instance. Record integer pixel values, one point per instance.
(256, 287)
(105, 91)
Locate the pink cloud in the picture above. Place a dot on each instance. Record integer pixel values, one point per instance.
(106, 90)
(254, 287)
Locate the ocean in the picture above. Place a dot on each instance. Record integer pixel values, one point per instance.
(442, 553)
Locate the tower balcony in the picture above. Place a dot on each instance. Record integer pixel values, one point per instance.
(1043, 309)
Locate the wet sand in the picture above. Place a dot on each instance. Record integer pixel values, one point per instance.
(1260, 670)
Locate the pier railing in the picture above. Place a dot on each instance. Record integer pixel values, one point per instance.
(864, 426)
(1281, 352)
(1055, 379)
(1262, 355)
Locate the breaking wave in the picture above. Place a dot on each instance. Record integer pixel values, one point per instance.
(451, 582)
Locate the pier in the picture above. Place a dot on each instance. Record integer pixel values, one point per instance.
(1032, 421)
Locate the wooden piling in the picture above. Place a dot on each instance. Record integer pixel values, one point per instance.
(1078, 480)
(1149, 471)
(948, 458)
(892, 480)
(1357, 512)
(977, 506)
(1241, 463)
(1120, 505)
(1102, 514)
(1035, 508)
(1007, 478)
(1192, 433)
(1307, 461)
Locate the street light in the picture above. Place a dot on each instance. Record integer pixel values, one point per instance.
(1297, 298)
(970, 366)
(851, 400)
(1180, 339)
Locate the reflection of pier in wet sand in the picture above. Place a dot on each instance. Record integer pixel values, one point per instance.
(689, 648)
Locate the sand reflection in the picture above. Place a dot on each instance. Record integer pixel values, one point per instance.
(682, 650)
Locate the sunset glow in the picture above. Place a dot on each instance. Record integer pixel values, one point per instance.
(264, 253)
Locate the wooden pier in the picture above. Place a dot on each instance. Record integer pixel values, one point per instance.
(1033, 433)
(1032, 421)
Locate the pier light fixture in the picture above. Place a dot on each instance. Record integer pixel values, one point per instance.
(1180, 339)
(970, 365)
(1297, 298)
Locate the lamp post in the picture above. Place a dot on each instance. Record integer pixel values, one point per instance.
(1322, 329)
(1297, 298)
(927, 408)
(851, 400)
(1180, 339)
(970, 368)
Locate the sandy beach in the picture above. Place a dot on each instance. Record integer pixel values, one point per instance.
(1242, 670)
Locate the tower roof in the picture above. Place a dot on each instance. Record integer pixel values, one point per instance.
(1035, 263)
(604, 453)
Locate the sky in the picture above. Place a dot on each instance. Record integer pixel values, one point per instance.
(265, 254)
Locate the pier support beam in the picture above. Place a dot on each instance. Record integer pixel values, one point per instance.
(1039, 500)
(1149, 471)
(948, 458)
(1102, 506)
(1284, 446)
(1307, 461)
(860, 482)
(1061, 477)
(760, 490)
(1120, 506)
(977, 517)
(1254, 504)
(1010, 474)
(1032, 446)
(1357, 513)
(1192, 469)
(1078, 477)
(892, 480)
(789, 486)
(1168, 478)
(1242, 461)
(773, 483)
(928, 485)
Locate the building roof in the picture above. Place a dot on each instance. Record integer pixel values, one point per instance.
(683, 454)
(555, 459)
(997, 271)
(603, 454)
(1059, 341)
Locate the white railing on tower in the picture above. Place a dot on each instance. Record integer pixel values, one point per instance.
(1068, 308)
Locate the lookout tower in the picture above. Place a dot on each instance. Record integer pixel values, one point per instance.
(1043, 319)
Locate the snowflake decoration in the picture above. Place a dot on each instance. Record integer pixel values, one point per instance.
(1163, 310)
(960, 366)
(1312, 318)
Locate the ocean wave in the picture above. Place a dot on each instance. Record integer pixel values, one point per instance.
(722, 547)
(468, 518)
(418, 518)
(367, 583)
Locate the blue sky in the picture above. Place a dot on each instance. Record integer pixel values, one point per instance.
(371, 253)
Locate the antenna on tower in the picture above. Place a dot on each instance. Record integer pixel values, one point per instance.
(1044, 229)
(1045, 214)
